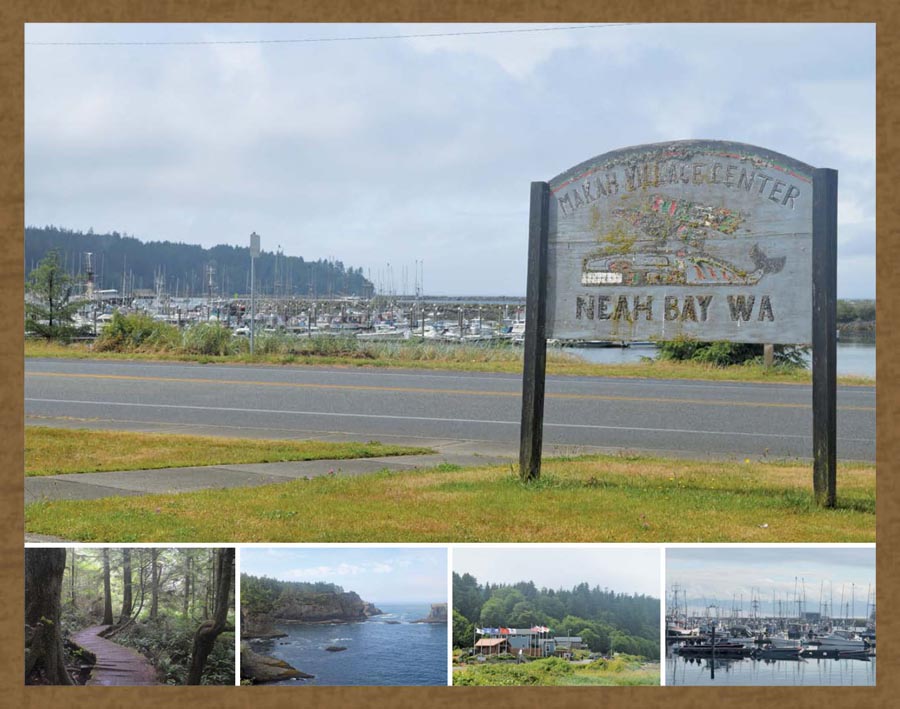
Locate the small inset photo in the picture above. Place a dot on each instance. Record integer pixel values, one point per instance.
(129, 616)
(344, 616)
(556, 616)
(770, 616)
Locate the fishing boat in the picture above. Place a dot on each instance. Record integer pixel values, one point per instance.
(719, 646)
(778, 648)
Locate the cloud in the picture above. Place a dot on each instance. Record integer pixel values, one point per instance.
(847, 125)
(623, 570)
(718, 575)
(417, 149)
(342, 569)
(509, 52)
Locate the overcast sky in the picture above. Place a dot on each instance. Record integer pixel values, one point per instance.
(626, 570)
(378, 575)
(398, 150)
(719, 576)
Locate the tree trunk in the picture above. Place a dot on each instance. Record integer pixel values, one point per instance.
(187, 583)
(125, 621)
(107, 592)
(127, 601)
(72, 585)
(210, 586)
(209, 630)
(44, 659)
(154, 584)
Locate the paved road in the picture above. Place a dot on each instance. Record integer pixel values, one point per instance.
(698, 419)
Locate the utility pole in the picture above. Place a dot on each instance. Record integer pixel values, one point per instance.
(254, 252)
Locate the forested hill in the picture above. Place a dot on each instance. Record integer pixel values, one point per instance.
(265, 601)
(605, 620)
(185, 267)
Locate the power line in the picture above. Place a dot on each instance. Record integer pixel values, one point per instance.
(309, 40)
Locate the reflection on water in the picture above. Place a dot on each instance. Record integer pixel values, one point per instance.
(697, 671)
(853, 358)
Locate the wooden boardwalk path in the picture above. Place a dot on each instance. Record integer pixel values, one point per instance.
(116, 664)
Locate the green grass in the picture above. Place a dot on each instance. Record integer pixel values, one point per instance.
(595, 499)
(504, 359)
(552, 672)
(54, 451)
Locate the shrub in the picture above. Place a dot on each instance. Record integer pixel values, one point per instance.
(168, 647)
(551, 665)
(547, 671)
(724, 354)
(855, 310)
(127, 333)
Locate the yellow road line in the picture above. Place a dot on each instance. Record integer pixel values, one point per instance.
(419, 390)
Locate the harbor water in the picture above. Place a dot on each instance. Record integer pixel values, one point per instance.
(807, 672)
(853, 358)
(387, 649)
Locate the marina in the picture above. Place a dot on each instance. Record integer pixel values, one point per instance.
(437, 320)
(780, 636)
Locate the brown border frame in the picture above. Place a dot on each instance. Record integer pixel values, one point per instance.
(17, 12)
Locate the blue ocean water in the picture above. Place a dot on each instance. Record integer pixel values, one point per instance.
(379, 651)
(806, 672)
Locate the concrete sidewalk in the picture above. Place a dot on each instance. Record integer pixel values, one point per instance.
(91, 486)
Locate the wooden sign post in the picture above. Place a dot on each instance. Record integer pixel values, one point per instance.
(708, 240)
(535, 366)
(824, 336)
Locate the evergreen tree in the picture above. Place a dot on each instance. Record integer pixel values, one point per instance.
(49, 308)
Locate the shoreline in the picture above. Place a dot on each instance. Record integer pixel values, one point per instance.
(478, 359)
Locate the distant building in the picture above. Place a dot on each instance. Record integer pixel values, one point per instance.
(531, 642)
(491, 646)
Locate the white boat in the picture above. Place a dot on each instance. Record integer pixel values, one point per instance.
(384, 333)
(778, 642)
(840, 641)
(517, 332)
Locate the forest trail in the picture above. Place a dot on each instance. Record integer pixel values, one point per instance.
(116, 664)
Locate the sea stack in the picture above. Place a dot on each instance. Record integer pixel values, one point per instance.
(438, 614)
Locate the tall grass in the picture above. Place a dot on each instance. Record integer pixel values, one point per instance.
(209, 339)
(212, 344)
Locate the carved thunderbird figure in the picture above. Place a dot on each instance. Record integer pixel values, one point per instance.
(663, 243)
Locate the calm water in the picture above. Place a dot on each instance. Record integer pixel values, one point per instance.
(378, 653)
(744, 672)
(852, 357)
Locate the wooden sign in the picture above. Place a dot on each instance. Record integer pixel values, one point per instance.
(706, 239)
(701, 238)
